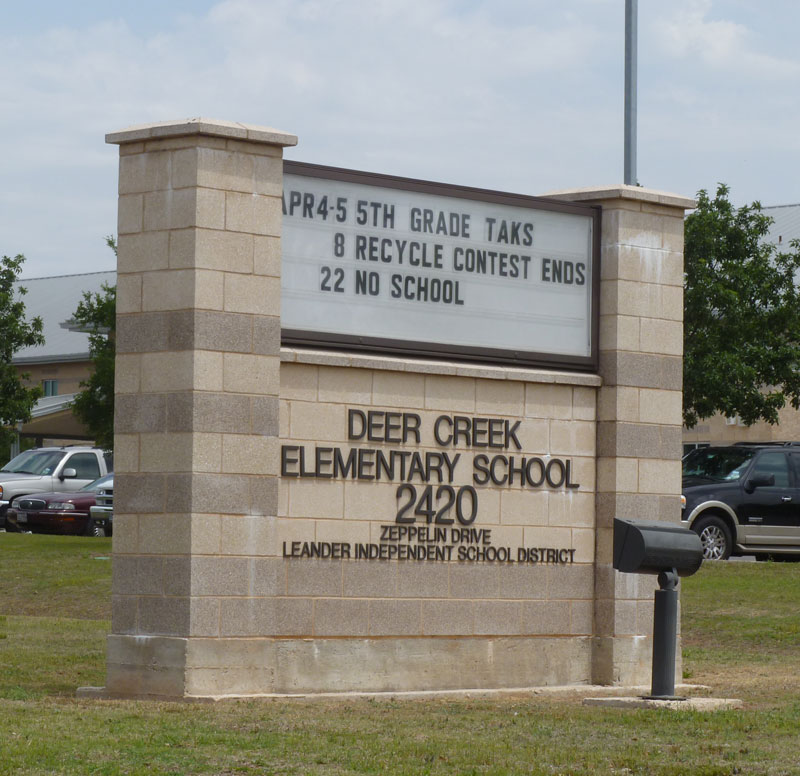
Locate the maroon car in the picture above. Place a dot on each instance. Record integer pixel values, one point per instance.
(60, 513)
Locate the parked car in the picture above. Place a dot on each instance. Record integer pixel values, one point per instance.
(49, 469)
(744, 499)
(60, 512)
(103, 510)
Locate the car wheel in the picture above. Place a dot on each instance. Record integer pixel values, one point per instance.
(715, 536)
(93, 529)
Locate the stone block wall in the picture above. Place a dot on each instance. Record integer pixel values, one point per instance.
(246, 563)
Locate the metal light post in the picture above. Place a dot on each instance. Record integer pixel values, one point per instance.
(631, 24)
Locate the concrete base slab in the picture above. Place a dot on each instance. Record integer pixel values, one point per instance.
(685, 704)
(612, 693)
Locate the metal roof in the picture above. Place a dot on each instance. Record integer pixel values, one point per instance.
(786, 224)
(55, 300)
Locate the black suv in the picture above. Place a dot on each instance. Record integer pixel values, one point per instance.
(744, 499)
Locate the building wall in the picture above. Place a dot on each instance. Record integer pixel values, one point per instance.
(68, 374)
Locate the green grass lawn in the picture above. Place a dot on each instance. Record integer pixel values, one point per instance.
(740, 636)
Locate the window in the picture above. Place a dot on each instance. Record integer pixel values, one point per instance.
(50, 387)
(34, 462)
(773, 463)
(85, 464)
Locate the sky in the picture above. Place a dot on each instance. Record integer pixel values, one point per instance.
(524, 96)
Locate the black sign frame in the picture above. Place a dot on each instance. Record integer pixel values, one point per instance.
(411, 348)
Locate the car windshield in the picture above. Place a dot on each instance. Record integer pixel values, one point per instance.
(34, 462)
(719, 464)
(103, 482)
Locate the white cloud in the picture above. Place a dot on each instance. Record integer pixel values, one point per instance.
(686, 31)
(521, 95)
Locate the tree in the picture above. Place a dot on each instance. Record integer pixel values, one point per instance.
(741, 315)
(16, 401)
(94, 405)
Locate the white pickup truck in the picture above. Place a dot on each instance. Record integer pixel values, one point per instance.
(47, 469)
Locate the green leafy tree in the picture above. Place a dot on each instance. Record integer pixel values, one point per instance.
(741, 315)
(94, 405)
(16, 400)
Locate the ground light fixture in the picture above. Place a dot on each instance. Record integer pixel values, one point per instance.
(670, 551)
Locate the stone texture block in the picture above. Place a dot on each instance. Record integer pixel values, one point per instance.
(342, 531)
(225, 170)
(252, 294)
(206, 412)
(620, 403)
(299, 382)
(143, 251)
(496, 397)
(618, 474)
(167, 290)
(498, 618)
(251, 374)
(164, 616)
(572, 438)
(268, 576)
(448, 618)
(124, 614)
(545, 617)
(573, 581)
(162, 534)
(449, 394)
(664, 337)
(573, 508)
(371, 579)
(395, 618)
(429, 580)
(584, 403)
(267, 617)
(312, 577)
(249, 454)
(524, 507)
(263, 496)
(397, 389)
(315, 498)
(319, 422)
(661, 407)
(129, 293)
(220, 576)
(210, 493)
(341, 617)
(252, 213)
(141, 173)
(130, 214)
(266, 335)
(180, 452)
(548, 401)
(251, 535)
(620, 332)
(370, 501)
(204, 617)
(656, 476)
(582, 618)
(267, 256)
(211, 249)
(345, 385)
(268, 175)
(126, 452)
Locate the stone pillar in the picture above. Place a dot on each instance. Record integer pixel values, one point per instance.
(197, 384)
(639, 410)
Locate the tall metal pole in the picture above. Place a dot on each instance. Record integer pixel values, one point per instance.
(631, 24)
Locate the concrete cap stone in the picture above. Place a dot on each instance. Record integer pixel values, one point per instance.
(623, 191)
(201, 126)
(682, 704)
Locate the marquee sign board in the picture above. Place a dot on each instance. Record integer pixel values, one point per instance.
(408, 267)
